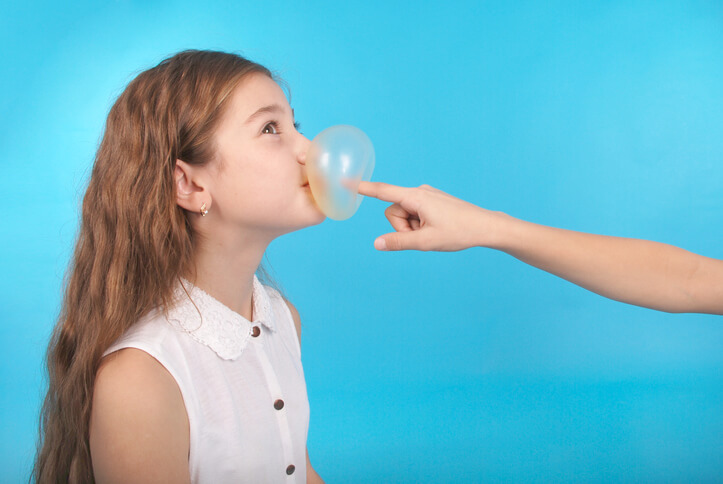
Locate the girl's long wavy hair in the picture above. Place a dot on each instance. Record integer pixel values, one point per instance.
(134, 241)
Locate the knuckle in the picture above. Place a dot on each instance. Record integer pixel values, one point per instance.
(393, 243)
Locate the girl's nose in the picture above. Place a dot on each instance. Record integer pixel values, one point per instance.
(303, 149)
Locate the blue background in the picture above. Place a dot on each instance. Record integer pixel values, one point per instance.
(423, 367)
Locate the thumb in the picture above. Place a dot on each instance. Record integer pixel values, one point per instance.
(398, 241)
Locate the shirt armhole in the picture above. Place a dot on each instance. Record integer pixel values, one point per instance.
(290, 318)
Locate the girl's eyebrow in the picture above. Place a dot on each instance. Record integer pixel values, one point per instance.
(272, 108)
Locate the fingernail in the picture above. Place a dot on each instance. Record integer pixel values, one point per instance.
(380, 244)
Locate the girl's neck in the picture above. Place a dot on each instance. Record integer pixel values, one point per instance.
(226, 272)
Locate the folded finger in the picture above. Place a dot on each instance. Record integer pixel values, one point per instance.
(398, 217)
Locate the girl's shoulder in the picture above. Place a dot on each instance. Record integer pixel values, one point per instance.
(152, 329)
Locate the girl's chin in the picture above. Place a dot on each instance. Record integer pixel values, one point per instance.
(313, 218)
(317, 218)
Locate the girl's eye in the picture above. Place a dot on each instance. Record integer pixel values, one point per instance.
(271, 128)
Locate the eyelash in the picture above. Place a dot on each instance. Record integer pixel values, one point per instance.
(275, 124)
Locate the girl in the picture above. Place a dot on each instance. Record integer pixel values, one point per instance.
(170, 360)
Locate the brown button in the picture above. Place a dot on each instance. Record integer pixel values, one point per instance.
(279, 404)
(290, 470)
(255, 331)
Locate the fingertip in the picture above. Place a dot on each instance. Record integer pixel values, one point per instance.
(380, 244)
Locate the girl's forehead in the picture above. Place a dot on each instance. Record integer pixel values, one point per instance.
(256, 92)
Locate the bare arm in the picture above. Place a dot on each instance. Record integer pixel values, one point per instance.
(311, 476)
(644, 273)
(138, 427)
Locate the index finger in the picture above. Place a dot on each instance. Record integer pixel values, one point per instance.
(382, 191)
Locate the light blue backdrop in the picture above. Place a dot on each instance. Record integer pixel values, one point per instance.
(463, 367)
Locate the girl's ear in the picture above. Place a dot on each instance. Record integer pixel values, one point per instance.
(191, 194)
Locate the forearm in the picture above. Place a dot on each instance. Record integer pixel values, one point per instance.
(640, 272)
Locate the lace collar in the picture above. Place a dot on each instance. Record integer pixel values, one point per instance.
(213, 324)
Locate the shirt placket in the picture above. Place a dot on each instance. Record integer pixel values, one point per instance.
(277, 401)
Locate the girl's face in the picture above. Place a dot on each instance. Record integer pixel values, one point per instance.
(259, 179)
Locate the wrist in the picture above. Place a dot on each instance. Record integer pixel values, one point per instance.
(497, 231)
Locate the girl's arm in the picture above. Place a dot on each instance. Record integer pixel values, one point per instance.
(138, 426)
(639, 272)
(311, 476)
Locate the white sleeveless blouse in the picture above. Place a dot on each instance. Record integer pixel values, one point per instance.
(242, 384)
